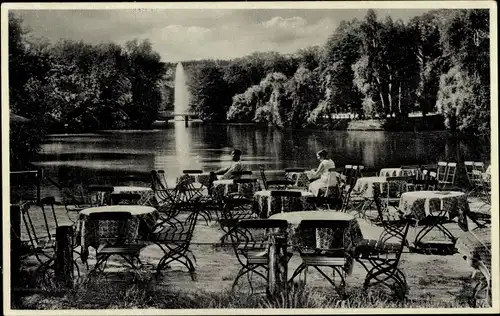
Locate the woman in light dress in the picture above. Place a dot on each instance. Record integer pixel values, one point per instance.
(322, 173)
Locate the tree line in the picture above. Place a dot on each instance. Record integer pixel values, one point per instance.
(76, 87)
(436, 62)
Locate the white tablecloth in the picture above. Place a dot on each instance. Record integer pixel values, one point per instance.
(364, 186)
(265, 205)
(397, 172)
(421, 204)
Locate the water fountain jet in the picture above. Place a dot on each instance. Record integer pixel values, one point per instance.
(181, 94)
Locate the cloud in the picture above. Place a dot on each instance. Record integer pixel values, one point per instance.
(284, 23)
(186, 34)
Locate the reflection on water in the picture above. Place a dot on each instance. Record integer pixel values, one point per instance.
(207, 147)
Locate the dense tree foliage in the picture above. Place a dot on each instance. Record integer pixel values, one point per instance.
(373, 68)
(437, 62)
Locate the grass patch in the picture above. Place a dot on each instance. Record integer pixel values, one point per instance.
(138, 291)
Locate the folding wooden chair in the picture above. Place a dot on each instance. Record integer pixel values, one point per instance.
(449, 180)
(175, 240)
(250, 241)
(332, 256)
(113, 235)
(235, 208)
(442, 171)
(380, 258)
(40, 244)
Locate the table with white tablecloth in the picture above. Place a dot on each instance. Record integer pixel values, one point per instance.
(431, 210)
(422, 204)
(143, 220)
(397, 172)
(350, 232)
(226, 186)
(145, 193)
(265, 205)
(364, 185)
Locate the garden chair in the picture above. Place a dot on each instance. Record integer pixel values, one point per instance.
(479, 166)
(483, 190)
(191, 192)
(352, 200)
(235, 208)
(330, 254)
(250, 241)
(170, 202)
(193, 189)
(392, 190)
(42, 233)
(469, 166)
(174, 239)
(380, 258)
(442, 169)
(331, 195)
(449, 180)
(113, 237)
(39, 244)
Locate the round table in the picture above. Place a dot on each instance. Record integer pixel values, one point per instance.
(300, 179)
(265, 205)
(145, 193)
(143, 220)
(421, 204)
(323, 238)
(364, 185)
(201, 178)
(397, 172)
(226, 186)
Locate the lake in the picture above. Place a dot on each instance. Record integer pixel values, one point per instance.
(102, 156)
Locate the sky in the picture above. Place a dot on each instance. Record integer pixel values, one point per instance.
(192, 34)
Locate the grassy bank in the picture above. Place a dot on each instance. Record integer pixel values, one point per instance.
(129, 291)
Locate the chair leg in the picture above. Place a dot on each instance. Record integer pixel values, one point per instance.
(297, 271)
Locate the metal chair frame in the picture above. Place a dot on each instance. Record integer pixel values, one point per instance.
(382, 256)
(175, 240)
(252, 252)
(116, 245)
(318, 258)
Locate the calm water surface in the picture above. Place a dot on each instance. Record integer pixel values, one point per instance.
(100, 157)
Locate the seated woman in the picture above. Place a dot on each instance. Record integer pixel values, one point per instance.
(236, 166)
(322, 173)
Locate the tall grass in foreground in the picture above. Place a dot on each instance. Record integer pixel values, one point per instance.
(143, 292)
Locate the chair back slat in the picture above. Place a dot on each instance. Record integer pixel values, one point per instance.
(192, 171)
(442, 171)
(263, 177)
(285, 193)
